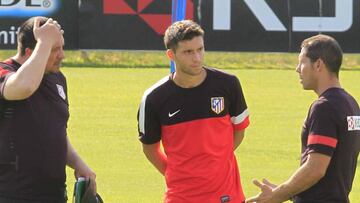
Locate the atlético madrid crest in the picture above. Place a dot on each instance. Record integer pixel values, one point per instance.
(61, 91)
(217, 104)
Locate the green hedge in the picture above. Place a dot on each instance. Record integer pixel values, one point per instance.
(158, 59)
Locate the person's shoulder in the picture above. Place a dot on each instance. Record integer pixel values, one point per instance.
(57, 77)
(220, 74)
(7, 65)
(61, 76)
(4, 65)
(333, 97)
(322, 106)
(157, 88)
(340, 100)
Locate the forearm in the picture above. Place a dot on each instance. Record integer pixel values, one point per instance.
(36, 64)
(238, 138)
(305, 177)
(156, 157)
(73, 160)
(27, 79)
(302, 180)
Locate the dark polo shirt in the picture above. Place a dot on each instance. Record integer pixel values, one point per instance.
(332, 128)
(33, 139)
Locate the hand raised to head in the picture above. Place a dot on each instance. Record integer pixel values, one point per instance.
(50, 32)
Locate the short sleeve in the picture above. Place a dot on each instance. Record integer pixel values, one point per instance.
(238, 109)
(323, 130)
(4, 74)
(149, 127)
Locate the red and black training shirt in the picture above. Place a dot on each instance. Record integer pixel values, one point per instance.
(196, 127)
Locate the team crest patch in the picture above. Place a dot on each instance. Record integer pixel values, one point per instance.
(61, 91)
(217, 104)
(353, 123)
(225, 198)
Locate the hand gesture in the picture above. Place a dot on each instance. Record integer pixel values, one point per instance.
(266, 194)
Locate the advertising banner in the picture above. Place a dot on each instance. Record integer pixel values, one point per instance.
(14, 12)
(230, 25)
(122, 24)
(278, 25)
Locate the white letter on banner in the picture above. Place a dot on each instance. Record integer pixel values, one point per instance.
(342, 21)
(265, 15)
(222, 14)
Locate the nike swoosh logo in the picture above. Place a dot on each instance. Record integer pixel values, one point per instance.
(173, 114)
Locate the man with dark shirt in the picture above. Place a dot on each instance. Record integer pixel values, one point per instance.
(200, 115)
(330, 136)
(34, 147)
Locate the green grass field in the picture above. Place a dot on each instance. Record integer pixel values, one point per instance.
(103, 126)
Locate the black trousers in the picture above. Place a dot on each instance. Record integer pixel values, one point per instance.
(12, 200)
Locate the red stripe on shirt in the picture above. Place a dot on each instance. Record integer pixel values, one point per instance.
(3, 72)
(323, 140)
(242, 125)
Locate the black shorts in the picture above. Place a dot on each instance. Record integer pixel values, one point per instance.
(14, 200)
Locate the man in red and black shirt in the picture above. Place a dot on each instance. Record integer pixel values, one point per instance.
(200, 115)
(34, 147)
(331, 134)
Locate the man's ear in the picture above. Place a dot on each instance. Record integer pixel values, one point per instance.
(170, 54)
(320, 65)
(28, 52)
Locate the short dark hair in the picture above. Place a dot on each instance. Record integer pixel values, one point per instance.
(181, 30)
(325, 48)
(25, 38)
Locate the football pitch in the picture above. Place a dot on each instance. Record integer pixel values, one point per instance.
(103, 128)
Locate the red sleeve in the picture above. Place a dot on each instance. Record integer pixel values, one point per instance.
(5, 72)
